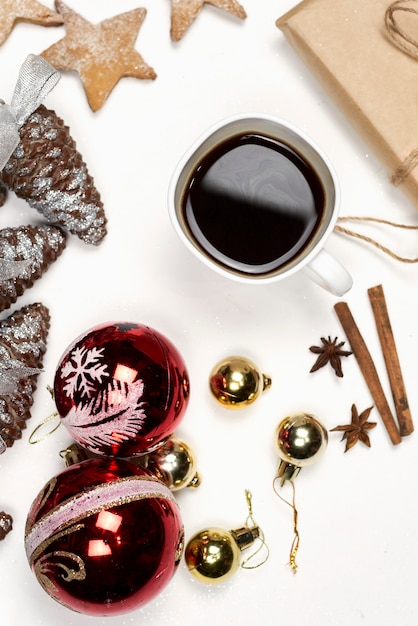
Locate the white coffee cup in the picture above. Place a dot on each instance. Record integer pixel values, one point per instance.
(312, 259)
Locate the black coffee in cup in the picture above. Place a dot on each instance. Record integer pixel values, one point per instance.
(253, 203)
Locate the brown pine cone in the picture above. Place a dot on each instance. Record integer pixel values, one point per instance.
(26, 252)
(6, 524)
(47, 170)
(3, 193)
(23, 337)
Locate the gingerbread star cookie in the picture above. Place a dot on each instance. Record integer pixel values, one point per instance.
(101, 53)
(13, 11)
(184, 13)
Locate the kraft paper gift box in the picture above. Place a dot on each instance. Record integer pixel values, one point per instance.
(361, 63)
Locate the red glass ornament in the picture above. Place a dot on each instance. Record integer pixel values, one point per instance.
(104, 537)
(121, 389)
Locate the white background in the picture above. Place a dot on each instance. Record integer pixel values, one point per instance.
(358, 513)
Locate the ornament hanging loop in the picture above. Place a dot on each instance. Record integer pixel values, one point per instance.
(48, 419)
(296, 537)
(37, 428)
(256, 533)
(214, 554)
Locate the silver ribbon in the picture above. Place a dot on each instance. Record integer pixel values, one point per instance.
(36, 79)
(12, 373)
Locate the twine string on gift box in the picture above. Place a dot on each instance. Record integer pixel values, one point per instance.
(370, 240)
(397, 34)
(409, 45)
(405, 168)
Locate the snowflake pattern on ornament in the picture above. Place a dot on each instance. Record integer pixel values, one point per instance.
(82, 368)
(112, 414)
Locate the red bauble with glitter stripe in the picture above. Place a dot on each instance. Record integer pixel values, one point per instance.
(121, 389)
(104, 537)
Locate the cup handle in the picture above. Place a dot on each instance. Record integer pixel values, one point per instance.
(328, 273)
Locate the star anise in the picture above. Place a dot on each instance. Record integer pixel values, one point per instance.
(357, 430)
(330, 352)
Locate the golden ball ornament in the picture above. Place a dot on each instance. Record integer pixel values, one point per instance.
(300, 440)
(237, 382)
(213, 554)
(174, 463)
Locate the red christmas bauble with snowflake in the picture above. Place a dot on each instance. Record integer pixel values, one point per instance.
(104, 537)
(121, 389)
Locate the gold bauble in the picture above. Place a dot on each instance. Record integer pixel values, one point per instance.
(174, 464)
(301, 440)
(212, 555)
(237, 382)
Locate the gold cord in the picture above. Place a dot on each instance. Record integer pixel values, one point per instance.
(39, 426)
(51, 391)
(45, 421)
(63, 453)
(296, 538)
(250, 521)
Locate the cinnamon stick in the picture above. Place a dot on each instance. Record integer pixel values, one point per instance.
(368, 369)
(390, 355)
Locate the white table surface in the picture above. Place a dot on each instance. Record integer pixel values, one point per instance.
(358, 512)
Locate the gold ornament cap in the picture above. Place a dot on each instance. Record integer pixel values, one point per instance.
(75, 454)
(236, 382)
(300, 440)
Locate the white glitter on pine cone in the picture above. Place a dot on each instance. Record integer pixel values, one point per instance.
(49, 173)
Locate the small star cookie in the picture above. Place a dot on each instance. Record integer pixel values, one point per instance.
(13, 11)
(101, 53)
(184, 13)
